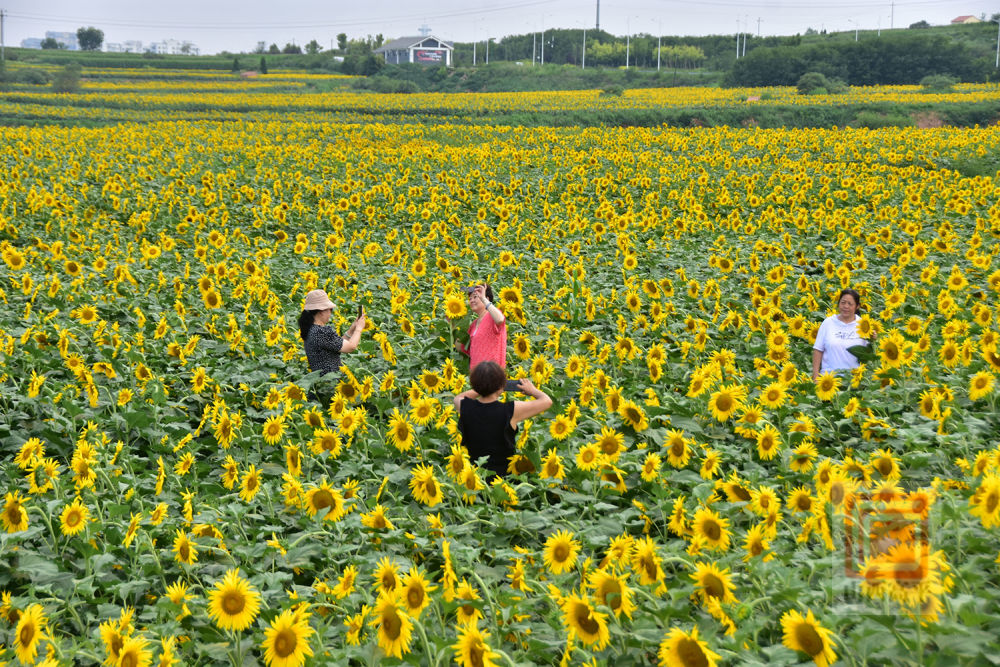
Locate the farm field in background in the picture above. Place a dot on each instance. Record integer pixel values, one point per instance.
(171, 495)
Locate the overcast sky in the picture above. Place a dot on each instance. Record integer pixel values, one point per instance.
(234, 26)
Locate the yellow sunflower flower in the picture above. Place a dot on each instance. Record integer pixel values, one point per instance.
(234, 603)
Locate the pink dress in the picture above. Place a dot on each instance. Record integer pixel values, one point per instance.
(487, 342)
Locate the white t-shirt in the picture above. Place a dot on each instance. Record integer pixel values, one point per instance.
(833, 339)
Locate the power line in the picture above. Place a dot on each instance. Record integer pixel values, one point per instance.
(272, 25)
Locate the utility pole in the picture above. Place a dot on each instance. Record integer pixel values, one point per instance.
(892, 14)
(758, 26)
(998, 44)
(583, 60)
(473, 53)
(598, 26)
(542, 57)
(737, 38)
(487, 50)
(534, 47)
(746, 26)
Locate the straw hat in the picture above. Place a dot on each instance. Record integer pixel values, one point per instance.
(317, 300)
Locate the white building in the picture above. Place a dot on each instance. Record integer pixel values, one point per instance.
(173, 47)
(67, 38)
(426, 50)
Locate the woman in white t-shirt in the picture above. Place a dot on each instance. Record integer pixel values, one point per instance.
(836, 334)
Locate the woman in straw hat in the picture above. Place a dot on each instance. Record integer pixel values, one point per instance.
(323, 345)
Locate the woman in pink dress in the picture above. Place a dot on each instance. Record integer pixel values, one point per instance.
(488, 330)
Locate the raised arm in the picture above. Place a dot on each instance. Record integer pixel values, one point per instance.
(352, 337)
(470, 393)
(528, 409)
(493, 311)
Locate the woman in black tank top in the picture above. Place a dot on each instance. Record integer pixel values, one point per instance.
(488, 425)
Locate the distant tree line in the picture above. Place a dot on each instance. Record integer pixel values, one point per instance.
(891, 59)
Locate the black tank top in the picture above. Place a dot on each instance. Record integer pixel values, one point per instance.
(486, 431)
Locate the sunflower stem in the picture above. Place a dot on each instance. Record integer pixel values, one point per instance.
(427, 645)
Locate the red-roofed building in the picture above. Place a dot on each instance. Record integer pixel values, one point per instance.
(965, 19)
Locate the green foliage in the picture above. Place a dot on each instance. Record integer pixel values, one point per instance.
(815, 83)
(889, 60)
(67, 80)
(875, 120)
(236, 64)
(90, 38)
(50, 43)
(613, 91)
(938, 83)
(263, 65)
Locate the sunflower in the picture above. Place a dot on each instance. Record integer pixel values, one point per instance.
(891, 350)
(651, 467)
(710, 464)
(756, 543)
(678, 451)
(286, 641)
(395, 627)
(454, 307)
(981, 385)
(251, 483)
(711, 527)
(985, 502)
(425, 487)
(400, 431)
(386, 576)
(274, 427)
(471, 649)
(29, 633)
(610, 443)
(560, 552)
(184, 550)
(800, 500)
(726, 401)
(467, 613)
(431, 381)
(414, 592)
(633, 415)
(646, 561)
(885, 464)
(827, 386)
(15, 515)
(612, 591)
(585, 623)
(805, 634)
(678, 523)
(74, 518)
(768, 443)
(234, 604)
(422, 410)
(212, 299)
(588, 457)
(134, 652)
(552, 467)
(680, 649)
(377, 519)
(774, 395)
(802, 457)
(561, 427)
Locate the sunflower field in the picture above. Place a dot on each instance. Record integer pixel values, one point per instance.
(172, 494)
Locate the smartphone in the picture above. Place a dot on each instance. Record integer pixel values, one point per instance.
(469, 290)
(361, 310)
(512, 385)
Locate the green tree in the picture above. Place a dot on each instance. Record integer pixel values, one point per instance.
(342, 41)
(236, 65)
(273, 49)
(67, 80)
(260, 48)
(292, 48)
(90, 38)
(263, 65)
(51, 43)
(313, 47)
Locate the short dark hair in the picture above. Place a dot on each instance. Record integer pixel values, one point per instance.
(854, 295)
(487, 378)
(489, 292)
